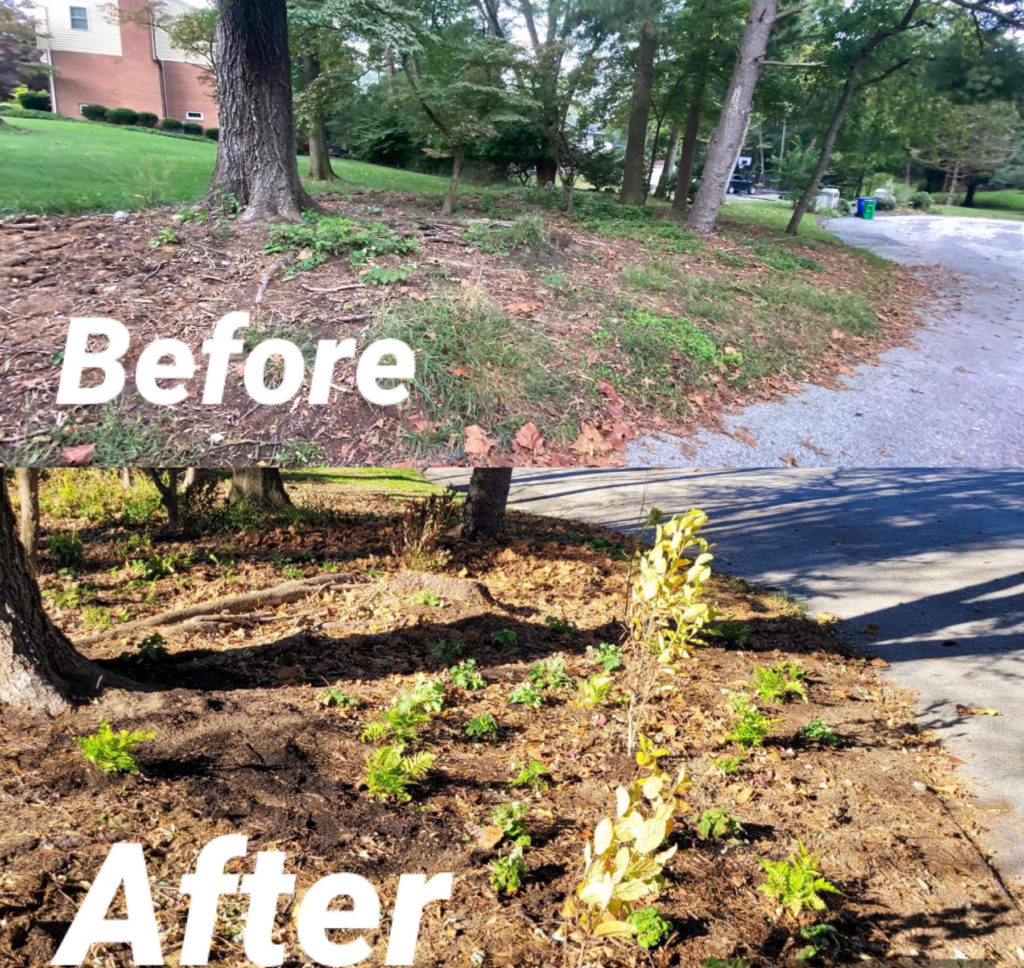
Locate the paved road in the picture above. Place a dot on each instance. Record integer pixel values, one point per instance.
(956, 399)
(930, 558)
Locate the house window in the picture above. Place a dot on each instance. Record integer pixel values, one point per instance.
(79, 18)
(193, 115)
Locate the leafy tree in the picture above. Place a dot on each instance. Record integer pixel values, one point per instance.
(20, 58)
(973, 142)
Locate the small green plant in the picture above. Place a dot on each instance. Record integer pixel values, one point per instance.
(390, 773)
(113, 752)
(425, 597)
(725, 963)
(727, 764)
(796, 883)
(533, 775)
(483, 727)
(594, 690)
(652, 930)
(550, 674)
(150, 650)
(559, 626)
(819, 731)
(67, 549)
(753, 726)
(428, 695)
(509, 872)
(333, 696)
(780, 682)
(384, 276)
(292, 572)
(735, 633)
(168, 235)
(607, 655)
(466, 676)
(509, 818)
(506, 638)
(445, 651)
(526, 694)
(319, 237)
(717, 822)
(401, 721)
(822, 939)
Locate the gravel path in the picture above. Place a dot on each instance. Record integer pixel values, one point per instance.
(955, 399)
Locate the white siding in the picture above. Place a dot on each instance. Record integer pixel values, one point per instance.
(56, 32)
(165, 50)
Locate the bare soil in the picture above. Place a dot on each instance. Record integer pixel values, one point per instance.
(57, 267)
(243, 745)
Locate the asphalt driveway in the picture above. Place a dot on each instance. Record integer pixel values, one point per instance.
(956, 399)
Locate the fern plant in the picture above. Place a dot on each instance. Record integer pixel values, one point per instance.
(796, 883)
(390, 773)
(113, 752)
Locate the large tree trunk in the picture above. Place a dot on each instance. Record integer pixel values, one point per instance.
(319, 159)
(453, 184)
(665, 178)
(547, 169)
(168, 490)
(28, 519)
(727, 141)
(634, 172)
(39, 668)
(687, 156)
(256, 159)
(484, 513)
(803, 205)
(968, 201)
(260, 486)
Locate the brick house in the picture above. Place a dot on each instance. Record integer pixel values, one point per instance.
(98, 60)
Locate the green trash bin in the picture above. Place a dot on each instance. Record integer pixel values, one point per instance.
(869, 208)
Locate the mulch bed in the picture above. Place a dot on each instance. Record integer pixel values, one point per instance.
(243, 745)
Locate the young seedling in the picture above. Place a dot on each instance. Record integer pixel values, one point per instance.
(822, 939)
(534, 776)
(506, 638)
(445, 651)
(509, 817)
(819, 731)
(733, 632)
(796, 883)
(509, 872)
(753, 726)
(550, 674)
(425, 597)
(607, 655)
(466, 676)
(333, 696)
(149, 651)
(559, 626)
(113, 752)
(526, 694)
(717, 822)
(727, 764)
(594, 690)
(390, 773)
(780, 682)
(482, 727)
(652, 930)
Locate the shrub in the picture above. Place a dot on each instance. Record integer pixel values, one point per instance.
(601, 167)
(921, 200)
(112, 752)
(122, 116)
(886, 203)
(212, 133)
(170, 124)
(67, 549)
(147, 119)
(94, 112)
(191, 128)
(32, 100)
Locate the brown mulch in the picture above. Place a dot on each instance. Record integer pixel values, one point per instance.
(56, 267)
(243, 745)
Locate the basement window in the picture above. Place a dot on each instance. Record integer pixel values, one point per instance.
(193, 115)
(79, 18)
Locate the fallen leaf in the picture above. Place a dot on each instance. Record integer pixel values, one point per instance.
(489, 837)
(478, 443)
(76, 456)
(521, 308)
(529, 438)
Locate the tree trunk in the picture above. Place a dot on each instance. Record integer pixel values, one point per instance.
(259, 485)
(547, 169)
(727, 141)
(458, 156)
(126, 478)
(319, 160)
(39, 668)
(968, 201)
(670, 162)
(954, 183)
(168, 492)
(634, 172)
(803, 206)
(28, 531)
(256, 159)
(484, 513)
(686, 157)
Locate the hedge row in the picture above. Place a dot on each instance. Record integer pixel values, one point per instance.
(145, 119)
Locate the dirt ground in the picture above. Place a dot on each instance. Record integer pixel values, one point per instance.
(57, 267)
(243, 745)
